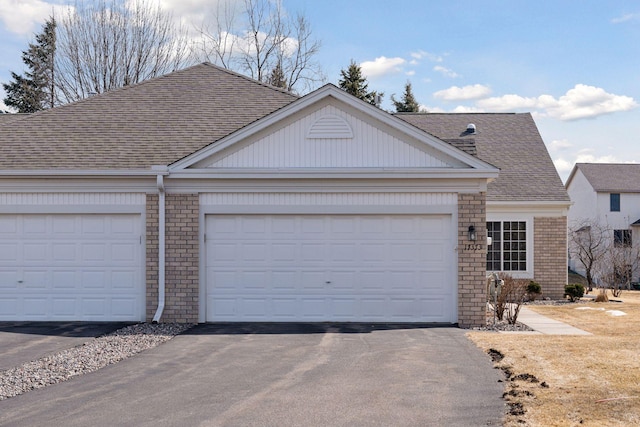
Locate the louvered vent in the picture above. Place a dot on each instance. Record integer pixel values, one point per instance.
(330, 127)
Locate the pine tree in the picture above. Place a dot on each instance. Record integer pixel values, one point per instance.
(277, 78)
(354, 83)
(35, 90)
(408, 103)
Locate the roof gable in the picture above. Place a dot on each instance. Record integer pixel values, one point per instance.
(610, 177)
(331, 129)
(509, 141)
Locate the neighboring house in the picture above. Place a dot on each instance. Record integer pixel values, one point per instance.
(205, 196)
(608, 194)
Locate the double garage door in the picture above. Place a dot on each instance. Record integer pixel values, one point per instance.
(379, 268)
(71, 267)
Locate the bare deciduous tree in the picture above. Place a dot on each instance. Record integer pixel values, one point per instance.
(588, 242)
(609, 262)
(618, 266)
(114, 43)
(262, 38)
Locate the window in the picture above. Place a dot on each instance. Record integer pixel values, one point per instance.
(614, 202)
(622, 238)
(508, 249)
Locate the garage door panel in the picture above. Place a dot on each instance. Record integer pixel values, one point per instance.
(65, 279)
(330, 267)
(70, 266)
(36, 279)
(9, 308)
(64, 307)
(283, 280)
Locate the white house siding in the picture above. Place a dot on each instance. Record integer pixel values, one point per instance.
(583, 199)
(328, 199)
(292, 147)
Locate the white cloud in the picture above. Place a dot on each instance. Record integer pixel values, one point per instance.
(564, 165)
(625, 18)
(560, 145)
(581, 102)
(382, 66)
(24, 17)
(464, 93)
(421, 54)
(466, 109)
(446, 71)
(411, 73)
(588, 101)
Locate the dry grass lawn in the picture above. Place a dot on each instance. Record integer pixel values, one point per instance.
(574, 380)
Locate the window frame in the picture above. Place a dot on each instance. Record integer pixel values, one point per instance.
(614, 202)
(623, 238)
(529, 250)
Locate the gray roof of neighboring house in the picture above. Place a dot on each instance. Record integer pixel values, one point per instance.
(156, 122)
(508, 141)
(610, 177)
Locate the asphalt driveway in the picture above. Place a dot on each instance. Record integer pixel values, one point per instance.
(285, 375)
(22, 342)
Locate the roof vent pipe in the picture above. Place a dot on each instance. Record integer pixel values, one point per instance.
(471, 128)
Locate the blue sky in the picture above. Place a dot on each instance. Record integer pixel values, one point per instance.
(575, 65)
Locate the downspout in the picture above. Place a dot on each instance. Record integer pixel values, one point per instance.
(161, 248)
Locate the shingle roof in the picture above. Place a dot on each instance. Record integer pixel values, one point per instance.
(508, 141)
(156, 122)
(612, 177)
(10, 118)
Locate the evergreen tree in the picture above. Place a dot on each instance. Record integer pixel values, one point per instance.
(34, 91)
(354, 83)
(277, 77)
(408, 103)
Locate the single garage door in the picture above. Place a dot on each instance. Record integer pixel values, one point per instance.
(71, 267)
(380, 268)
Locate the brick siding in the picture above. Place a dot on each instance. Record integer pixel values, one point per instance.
(181, 257)
(152, 255)
(550, 255)
(472, 260)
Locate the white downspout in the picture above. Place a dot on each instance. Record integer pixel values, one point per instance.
(161, 248)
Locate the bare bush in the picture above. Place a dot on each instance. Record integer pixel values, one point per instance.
(511, 297)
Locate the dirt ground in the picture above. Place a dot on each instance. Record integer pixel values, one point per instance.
(573, 380)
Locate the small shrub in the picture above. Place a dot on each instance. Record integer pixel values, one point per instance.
(510, 298)
(533, 290)
(602, 296)
(574, 291)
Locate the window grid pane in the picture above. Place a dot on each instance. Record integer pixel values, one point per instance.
(514, 246)
(493, 250)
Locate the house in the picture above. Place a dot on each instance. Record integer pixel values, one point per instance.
(205, 196)
(608, 194)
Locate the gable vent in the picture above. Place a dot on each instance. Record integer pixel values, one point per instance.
(330, 127)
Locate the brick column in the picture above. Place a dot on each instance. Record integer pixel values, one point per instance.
(472, 260)
(182, 258)
(151, 255)
(550, 255)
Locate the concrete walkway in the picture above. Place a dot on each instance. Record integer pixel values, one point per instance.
(546, 326)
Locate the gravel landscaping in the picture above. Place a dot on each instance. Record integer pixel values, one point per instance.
(88, 357)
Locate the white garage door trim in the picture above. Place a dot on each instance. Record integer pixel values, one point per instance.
(430, 303)
(56, 264)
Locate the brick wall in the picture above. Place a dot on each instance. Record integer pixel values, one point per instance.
(181, 257)
(550, 255)
(472, 258)
(152, 255)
